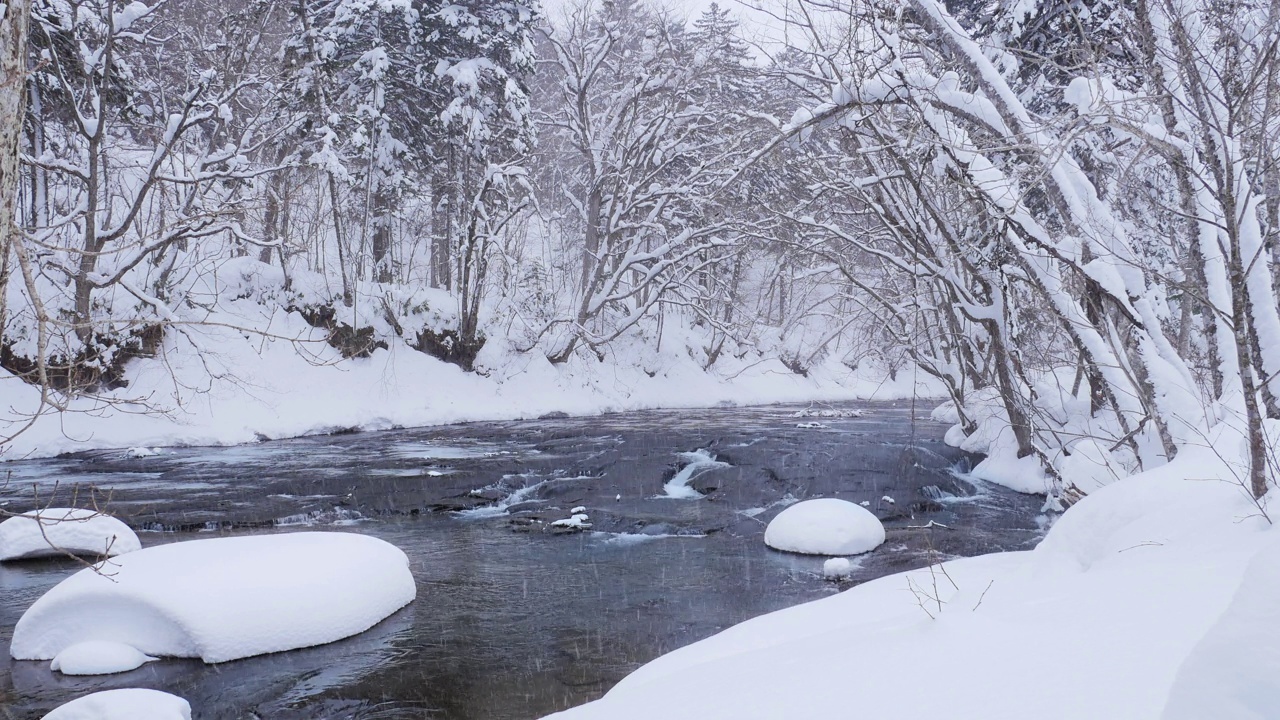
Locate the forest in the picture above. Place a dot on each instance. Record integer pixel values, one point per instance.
(1063, 213)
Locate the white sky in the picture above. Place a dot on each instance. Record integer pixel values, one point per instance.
(758, 26)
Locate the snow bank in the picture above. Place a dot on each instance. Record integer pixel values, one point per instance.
(224, 598)
(57, 531)
(214, 384)
(126, 704)
(98, 657)
(1095, 453)
(1151, 598)
(825, 526)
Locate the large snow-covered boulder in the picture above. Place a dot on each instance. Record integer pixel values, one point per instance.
(224, 598)
(58, 531)
(825, 526)
(124, 704)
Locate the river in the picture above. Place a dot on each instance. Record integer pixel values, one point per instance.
(514, 618)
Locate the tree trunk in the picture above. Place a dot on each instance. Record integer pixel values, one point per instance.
(270, 226)
(381, 237)
(13, 72)
(348, 297)
(591, 241)
(441, 231)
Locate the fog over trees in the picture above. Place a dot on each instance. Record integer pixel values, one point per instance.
(1065, 212)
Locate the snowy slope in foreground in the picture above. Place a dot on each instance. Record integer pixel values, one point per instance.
(1156, 591)
(224, 598)
(221, 386)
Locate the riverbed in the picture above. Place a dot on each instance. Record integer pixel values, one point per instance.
(515, 617)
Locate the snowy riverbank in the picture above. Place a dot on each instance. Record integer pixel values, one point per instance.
(1152, 598)
(219, 385)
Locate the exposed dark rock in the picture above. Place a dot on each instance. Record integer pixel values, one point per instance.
(350, 341)
(100, 366)
(449, 346)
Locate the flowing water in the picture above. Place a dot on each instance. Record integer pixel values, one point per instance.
(517, 617)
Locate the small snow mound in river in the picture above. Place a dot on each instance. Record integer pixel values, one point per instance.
(836, 568)
(825, 526)
(98, 657)
(224, 598)
(55, 531)
(126, 704)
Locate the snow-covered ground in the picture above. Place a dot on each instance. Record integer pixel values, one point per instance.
(1152, 598)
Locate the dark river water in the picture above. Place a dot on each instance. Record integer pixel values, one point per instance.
(514, 618)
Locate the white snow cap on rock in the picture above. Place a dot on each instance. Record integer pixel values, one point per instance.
(579, 521)
(825, 526)
(837, 568)
(224, 598)
(55, 531)
(125, 704)
(98, 657)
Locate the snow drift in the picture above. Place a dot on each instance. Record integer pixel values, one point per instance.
(57, 531)
(224, 598)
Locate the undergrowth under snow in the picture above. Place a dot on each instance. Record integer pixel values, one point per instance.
(241, 369)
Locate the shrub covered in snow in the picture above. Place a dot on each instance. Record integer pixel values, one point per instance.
(224, 598)
(57, 531)
(825, 526)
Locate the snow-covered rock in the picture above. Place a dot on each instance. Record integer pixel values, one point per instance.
(836, 568)
(825, 526)
(947, 412)
(98, 657)
(57, 531)
(124, 704)
(579, 521)
(224, 598)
